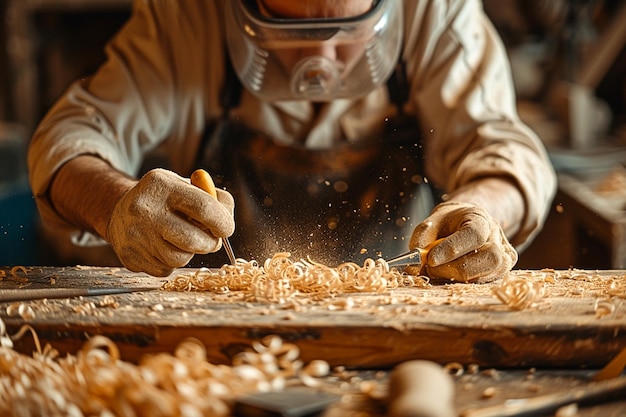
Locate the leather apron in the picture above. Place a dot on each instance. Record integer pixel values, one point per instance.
(347, 203)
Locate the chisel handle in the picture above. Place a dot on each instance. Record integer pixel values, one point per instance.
(201, 179)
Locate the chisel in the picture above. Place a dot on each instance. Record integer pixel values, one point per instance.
(416, 257)
(201, 179)
(28, 294)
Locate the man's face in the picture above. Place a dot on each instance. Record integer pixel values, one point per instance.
(316, 50)
(343, 54)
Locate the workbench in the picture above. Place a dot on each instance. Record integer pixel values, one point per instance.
(575, 325)
(585, 229)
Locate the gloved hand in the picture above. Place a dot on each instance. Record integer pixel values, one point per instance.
(475, 248)
(161, 222)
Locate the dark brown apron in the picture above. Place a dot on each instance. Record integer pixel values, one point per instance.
(351, 202)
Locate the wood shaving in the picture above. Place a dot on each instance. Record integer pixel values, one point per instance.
(317, 368)
(280, 279)
(525, 289)
(473, 369)
(17, 273)
(534, 388)
(454, 368)
(85, 308)
(5, 340)
(489, 392)
(97, 382)
(603, 308)
(518, 292)
(491, 373)
(12, 309)
(341, 304)
(26, 312)
(109, 301)
(570, 410)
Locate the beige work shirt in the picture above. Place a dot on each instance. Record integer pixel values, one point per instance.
(161, 84)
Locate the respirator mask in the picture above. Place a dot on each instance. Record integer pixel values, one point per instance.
(318, 59)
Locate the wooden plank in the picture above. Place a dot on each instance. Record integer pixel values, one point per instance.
(448, 323)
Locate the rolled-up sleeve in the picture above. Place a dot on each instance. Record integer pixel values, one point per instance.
(150, 91)
(464, 96)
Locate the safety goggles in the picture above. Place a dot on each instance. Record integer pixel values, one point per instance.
(318, 59)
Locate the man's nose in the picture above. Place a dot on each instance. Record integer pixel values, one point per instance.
(325, 49)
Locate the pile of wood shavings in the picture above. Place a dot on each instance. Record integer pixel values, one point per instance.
(96, 382)
(281, 278)
(524, 289)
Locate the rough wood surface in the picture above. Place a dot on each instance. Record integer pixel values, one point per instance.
(448, 323)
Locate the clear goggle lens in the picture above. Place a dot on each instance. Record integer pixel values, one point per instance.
(315, 59)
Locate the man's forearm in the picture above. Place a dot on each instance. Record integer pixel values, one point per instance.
(499, 196)
(85, 190)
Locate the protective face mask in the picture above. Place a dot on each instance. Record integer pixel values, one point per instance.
(313, 59)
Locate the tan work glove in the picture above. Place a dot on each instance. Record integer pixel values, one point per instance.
(161, 222)
(475, 248)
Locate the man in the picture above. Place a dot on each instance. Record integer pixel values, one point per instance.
(309, 147)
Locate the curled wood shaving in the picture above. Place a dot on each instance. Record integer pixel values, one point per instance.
(23, 310)
(281, 278)
(97, 382)
(603, 307)
(17, 273)
(454, 368)
(617, 287)
(518, 292)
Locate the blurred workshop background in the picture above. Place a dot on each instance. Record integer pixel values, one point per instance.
(569, 63)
